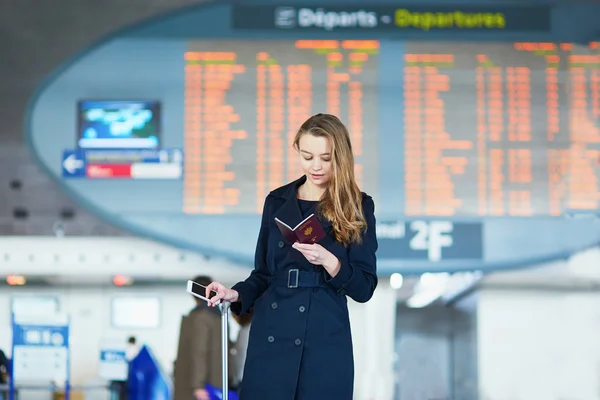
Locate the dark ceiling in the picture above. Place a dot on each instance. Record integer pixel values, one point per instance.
(36, 36)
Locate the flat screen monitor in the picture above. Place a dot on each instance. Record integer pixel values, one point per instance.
(132, 312)
(118, 124)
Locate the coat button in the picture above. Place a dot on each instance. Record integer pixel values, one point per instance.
(301, 308)
(298, 342)
(280, 244)
(274, 306)
(271, 339)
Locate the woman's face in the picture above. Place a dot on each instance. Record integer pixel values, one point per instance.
(315, 158)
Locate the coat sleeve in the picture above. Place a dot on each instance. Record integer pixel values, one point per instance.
(258, 281)
(200, 351)
(357, 276)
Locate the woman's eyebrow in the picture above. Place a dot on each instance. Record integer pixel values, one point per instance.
(304, 151)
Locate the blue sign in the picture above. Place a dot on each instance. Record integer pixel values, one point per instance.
(122, 163)
(40, 349)
(432, 241)
(112, 356)
(41, 335)
(113, 365)
(73, 164)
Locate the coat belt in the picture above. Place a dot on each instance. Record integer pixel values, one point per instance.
(295, 278)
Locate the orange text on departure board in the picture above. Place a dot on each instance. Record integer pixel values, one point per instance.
(525, 133)
(209, 135)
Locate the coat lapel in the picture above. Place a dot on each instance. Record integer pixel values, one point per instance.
(289, 212)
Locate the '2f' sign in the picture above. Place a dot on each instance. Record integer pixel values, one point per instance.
(432, 236)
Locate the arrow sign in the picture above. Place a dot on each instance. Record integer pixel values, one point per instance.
(73, 164)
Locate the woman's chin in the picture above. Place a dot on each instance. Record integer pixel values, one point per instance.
(318, 180)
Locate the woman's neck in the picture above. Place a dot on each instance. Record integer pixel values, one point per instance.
(309, 191)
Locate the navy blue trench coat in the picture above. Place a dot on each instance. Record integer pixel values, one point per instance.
(300, 345)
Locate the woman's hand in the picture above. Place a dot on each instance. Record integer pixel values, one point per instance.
(223, 294)
(319, 255)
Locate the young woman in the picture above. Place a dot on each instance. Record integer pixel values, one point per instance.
(300, 345)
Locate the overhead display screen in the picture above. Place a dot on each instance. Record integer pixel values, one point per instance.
(479, 129)
(118, 124)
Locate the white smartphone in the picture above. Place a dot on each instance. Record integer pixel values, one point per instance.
(199, 291)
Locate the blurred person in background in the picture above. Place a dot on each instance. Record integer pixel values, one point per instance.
(121, 388)
(132, 349)
(199, 351)
(239, 349)
(4, 374)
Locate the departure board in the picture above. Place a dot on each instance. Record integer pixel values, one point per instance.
(245, 102)
(500, 130)
(487, 129)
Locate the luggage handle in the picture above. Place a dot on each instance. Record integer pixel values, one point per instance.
(224, 308)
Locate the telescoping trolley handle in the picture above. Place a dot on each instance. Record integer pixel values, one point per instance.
(224, 307)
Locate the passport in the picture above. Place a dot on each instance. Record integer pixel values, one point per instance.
(308, 231)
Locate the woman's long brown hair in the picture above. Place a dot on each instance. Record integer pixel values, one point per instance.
(341, 203)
